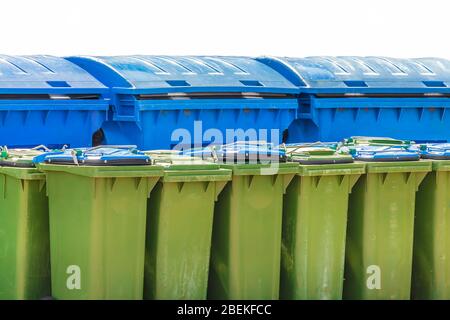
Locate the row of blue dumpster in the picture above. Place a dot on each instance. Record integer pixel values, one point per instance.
(168, 101)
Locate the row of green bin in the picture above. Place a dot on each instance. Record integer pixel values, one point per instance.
(273, 231)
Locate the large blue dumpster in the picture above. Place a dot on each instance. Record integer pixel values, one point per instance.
(344, 96)
(163, 102)
(48, 100)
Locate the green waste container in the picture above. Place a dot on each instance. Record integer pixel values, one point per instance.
(245, 255)
(179, 227)
(431, 262)
(24, 236)
(97, 222)
(381, 223)
(315, 222)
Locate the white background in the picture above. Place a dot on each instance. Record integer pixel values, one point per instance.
(396, 28)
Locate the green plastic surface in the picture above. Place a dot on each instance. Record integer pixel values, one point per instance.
(314, 229)
(431, 262)
(246, 249)
(179, 227)
(380, 230)
(97, 229)
(24, 237)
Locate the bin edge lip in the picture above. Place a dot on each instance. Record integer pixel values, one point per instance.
(24, 173)
(397, 166)
(104, 171)
(353, 168)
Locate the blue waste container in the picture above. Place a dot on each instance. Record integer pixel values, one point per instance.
(48, 100)
(344, 96)
(153, 96)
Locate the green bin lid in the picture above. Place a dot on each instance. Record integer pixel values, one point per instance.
(172, 159)
(21, 158)
(178, 168)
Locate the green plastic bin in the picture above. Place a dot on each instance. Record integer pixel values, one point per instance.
(381, 225)
(24, 231)
(179, 227)
(97, 229)
(246, 247)
(314, 224)
(431, 263)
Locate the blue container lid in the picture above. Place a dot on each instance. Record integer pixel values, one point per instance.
(317, 144)
(45, 75)
(241, 151)
(436, 151)
(382, 153)
(364, 74)
(166, 74)
(100, 156)
(204, 153)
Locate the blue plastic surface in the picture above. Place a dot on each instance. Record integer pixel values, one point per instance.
(438, 151)
(383, 153)
(317, 144)
(101, 155)
(48, 100)
(343, 96)
(240, 151)
(155, 95)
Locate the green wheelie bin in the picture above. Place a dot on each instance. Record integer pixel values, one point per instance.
(179, 226)
(315, 222)
(246, 245)
(431, 259)
(97, 204)
(380, 229)
(24, 234)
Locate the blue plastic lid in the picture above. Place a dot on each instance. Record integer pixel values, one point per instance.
(241, 151)
(437, 151)
(382, 153)
(44, 75)
(318, 144)
(364, 74)
(100, 156)
(164, 74)
(317, 153)
(204, 153)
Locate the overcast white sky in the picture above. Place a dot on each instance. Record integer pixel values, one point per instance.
(398, 28)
